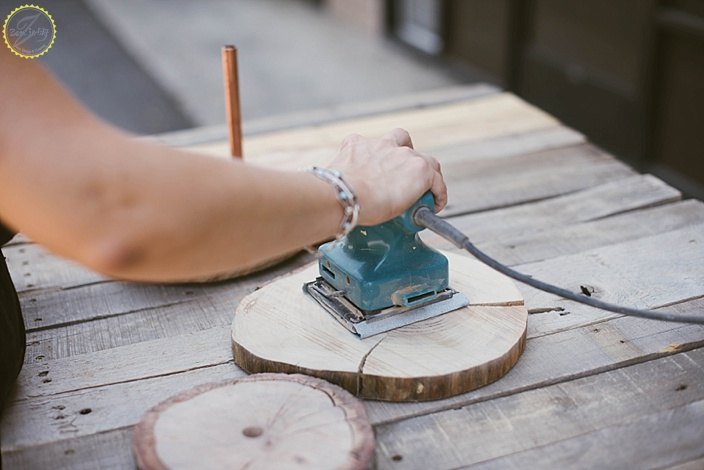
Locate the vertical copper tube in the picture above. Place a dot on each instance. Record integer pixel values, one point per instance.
(232, 99)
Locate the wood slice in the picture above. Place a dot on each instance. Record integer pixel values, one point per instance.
(261, 421)
(280, 329)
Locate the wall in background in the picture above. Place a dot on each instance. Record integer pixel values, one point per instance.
(629, 74)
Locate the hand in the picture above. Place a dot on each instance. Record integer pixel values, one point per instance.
(388, 175)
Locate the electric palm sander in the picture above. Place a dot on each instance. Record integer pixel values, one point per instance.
(382, 277)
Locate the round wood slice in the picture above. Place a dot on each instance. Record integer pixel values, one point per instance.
(261, 421)
(280, 329)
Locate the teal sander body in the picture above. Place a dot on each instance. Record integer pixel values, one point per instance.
(379, 278)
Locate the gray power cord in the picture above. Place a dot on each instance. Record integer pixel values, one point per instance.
(425, 217)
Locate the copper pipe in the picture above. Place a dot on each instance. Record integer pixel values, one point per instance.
(232, 100)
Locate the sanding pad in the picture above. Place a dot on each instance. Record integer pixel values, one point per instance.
(261, 421)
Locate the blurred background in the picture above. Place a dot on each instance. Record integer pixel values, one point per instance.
(627, 73)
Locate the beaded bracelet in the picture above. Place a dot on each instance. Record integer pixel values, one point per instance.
(345, 195)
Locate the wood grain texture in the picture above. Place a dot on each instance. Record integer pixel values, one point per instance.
(260, 421)
(567, 210)
(280, 329)
(480, 118)
(565, 355)
(316, 117)
(577, 424)
(650, 440)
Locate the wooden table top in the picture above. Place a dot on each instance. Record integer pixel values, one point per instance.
(593, 389)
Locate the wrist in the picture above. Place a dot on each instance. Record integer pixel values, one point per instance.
(344, 194)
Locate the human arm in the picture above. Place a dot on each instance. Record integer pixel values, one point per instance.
(141, 211)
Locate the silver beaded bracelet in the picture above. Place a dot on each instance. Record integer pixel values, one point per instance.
(345, 195)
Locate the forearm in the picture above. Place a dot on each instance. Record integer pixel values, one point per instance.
(141, 211)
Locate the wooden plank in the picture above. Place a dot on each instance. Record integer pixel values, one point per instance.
(649, 441)
(696, 464)
(564, 425)
(59, 417)
(125, 363)
(569, 239)
(646, 273)
(126, 322)
(506, 145)
(480, 118)
(111, 449)
(317, 117)
(481, 185)
(564, 211)
(49, 308)
(54, 308)
(115, 331)
(615, 343)
(569, 354)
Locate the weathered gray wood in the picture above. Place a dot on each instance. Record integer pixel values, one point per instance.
(649, 441)
(47, 308)
(563, 240)
(482, 118)
(126, 363)
(43, 420)
(696, 464)
(567, 355)
(591, 350)
(520, 143)
(644, 273)
(481, 185)
(339, 112)
(146, 325)
(597, 202)
(565, 425)
(111, 449)
(54, 308)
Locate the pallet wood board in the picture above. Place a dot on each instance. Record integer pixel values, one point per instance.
(480, 118)
(565, 417)
(280, 329)
(260, 421)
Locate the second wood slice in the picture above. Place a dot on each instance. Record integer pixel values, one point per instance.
(280, 329)
(272, 421)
